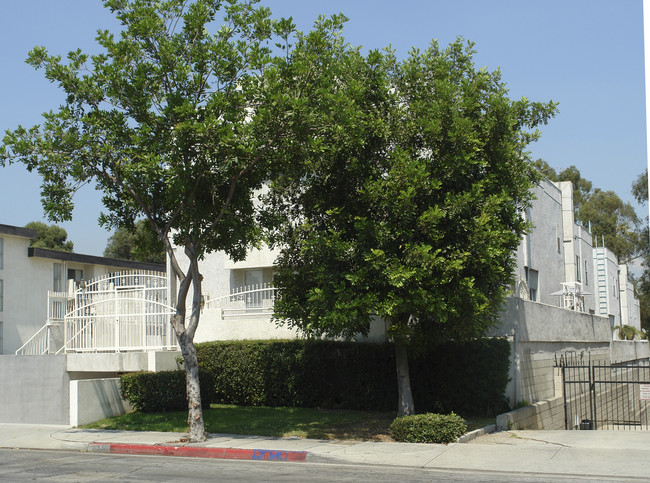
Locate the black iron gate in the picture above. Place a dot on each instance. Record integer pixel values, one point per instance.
(605, 396)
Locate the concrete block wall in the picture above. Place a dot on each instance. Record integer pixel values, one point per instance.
(547, 414)
(537, 382)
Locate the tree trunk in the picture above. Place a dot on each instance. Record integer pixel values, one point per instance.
(196, 428)
(405, 405)
(185, 331)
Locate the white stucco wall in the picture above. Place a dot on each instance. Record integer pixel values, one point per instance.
(214, 327)
(216, 278)
(608, 289)
(584, 249)
(25, 293)
(629, 305)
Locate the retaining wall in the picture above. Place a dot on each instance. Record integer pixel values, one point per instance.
(95, 399)
(629, 350)
(34, 389)
(547, 414)
(537, 333)
(70, 389)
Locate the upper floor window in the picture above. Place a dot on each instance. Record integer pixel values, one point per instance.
(2, 253)
(532, 279)
(578, 269)
(586, 273)
(57, 278)
(1, 295)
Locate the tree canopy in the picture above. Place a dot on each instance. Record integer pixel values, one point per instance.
(176, 121)
(50, 236)
(613, 222)
(413, 211)
(137, 243)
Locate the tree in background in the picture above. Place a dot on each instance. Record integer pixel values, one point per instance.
(640, 192)
(611, 219)
(136, 243)
(177, 125)
(52, 237)
(410, 209)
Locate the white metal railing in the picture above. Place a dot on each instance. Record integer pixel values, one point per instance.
(48, 339)
(250, 300)
(37, 344)
(58, 304)
(124, 311)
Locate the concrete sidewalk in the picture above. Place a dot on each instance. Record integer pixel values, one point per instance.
(605, 454)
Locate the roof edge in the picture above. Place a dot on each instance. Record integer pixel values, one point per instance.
(35, 252)
(17, 231)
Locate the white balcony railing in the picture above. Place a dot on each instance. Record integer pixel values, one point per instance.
(252, 301)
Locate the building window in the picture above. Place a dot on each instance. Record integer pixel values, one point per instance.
(2, 288)
(2, 253)
(75, 274)
(253, 278)
(558, 240)
(1, 339)
(57, 278)
(586, 273)
(532, 279)
(578, 268)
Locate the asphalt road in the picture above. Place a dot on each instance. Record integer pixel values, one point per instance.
(70, 466)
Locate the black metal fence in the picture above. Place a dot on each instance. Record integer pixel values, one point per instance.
(605, 396)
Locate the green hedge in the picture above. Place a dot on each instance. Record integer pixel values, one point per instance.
(163, 391)
(428, 428)
(469, 378)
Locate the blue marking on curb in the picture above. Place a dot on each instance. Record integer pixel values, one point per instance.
(263, 454)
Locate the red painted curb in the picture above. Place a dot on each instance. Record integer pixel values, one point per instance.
(199, 452)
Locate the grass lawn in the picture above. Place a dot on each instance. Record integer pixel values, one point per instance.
(267, 421)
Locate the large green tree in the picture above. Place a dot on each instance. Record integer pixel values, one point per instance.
(413, 211)
(135, 243)
(175, 122)
(50, 236)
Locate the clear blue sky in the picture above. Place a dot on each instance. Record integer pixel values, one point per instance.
(585, 54)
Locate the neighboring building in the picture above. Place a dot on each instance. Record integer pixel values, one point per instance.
(557, 263)
(27, 274)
